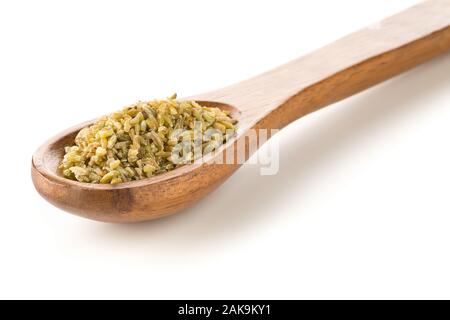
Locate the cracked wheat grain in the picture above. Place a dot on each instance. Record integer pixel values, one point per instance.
(145, 139)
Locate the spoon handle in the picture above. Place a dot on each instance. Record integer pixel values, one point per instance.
(343, 68)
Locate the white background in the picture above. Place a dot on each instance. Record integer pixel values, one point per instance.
(359, 209)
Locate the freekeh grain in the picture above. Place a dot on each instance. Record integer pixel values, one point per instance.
(145, 139)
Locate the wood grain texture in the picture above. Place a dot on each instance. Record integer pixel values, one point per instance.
(271, 100)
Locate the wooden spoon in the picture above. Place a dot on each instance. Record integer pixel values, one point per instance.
(271, 100)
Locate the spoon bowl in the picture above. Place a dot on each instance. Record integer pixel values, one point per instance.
(269, 101)
(130, 201)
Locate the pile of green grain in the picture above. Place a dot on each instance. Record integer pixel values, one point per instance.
(137, 142)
